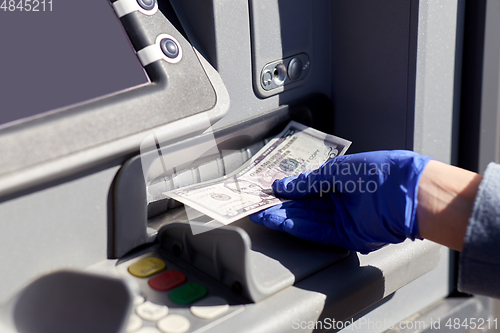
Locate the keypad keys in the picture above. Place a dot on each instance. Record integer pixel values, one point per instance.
(174, 324)
(151, 311)
(188, 293)
(210, 307)
(134, 323)
(147, 267)
(167, 280)
(138, 299)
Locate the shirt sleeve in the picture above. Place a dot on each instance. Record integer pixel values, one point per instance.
(479, 268)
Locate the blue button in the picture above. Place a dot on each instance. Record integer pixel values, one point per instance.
(147, 4)
(169, 48)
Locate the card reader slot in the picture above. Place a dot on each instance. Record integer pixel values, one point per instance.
(225, 254)
(247, 258)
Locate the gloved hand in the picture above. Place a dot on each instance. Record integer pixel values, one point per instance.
(360, 202)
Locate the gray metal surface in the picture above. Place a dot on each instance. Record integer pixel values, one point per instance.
(337, 292)
(435, 81)
(279, 29)
(64, 226)
(224, 33)
(472, 314)
(372, 70)
(359, 282)
(434, 125)
(285, 307)
(407, 300)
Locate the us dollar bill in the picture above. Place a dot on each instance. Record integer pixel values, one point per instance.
(247, 190)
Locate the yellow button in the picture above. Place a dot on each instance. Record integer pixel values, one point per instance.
(147, 267)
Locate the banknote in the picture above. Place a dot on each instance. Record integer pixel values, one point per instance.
(247, 190)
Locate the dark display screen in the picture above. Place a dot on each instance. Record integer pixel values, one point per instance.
(56, 53)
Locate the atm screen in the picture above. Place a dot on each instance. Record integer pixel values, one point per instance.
(55, 54)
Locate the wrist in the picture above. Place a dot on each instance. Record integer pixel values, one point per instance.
(446, 196)
(417, 167)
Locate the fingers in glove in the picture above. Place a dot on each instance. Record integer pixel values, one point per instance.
(275, 217)
(319, 181)
(319, 207)
(307, 229)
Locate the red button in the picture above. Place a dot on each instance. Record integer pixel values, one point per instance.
(167, 280)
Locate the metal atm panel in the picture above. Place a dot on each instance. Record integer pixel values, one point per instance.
(75, 197)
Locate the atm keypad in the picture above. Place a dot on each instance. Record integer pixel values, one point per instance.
(172, 299)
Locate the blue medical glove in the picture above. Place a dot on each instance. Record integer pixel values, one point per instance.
(360, 202)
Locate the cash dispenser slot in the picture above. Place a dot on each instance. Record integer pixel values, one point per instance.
(251, 260)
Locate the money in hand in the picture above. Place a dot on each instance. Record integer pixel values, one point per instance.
(247, 190)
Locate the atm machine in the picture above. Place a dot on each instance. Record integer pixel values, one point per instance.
(107, 105)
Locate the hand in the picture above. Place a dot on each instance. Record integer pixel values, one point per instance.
(360, 202)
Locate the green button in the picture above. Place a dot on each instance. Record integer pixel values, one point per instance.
(188, 293)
